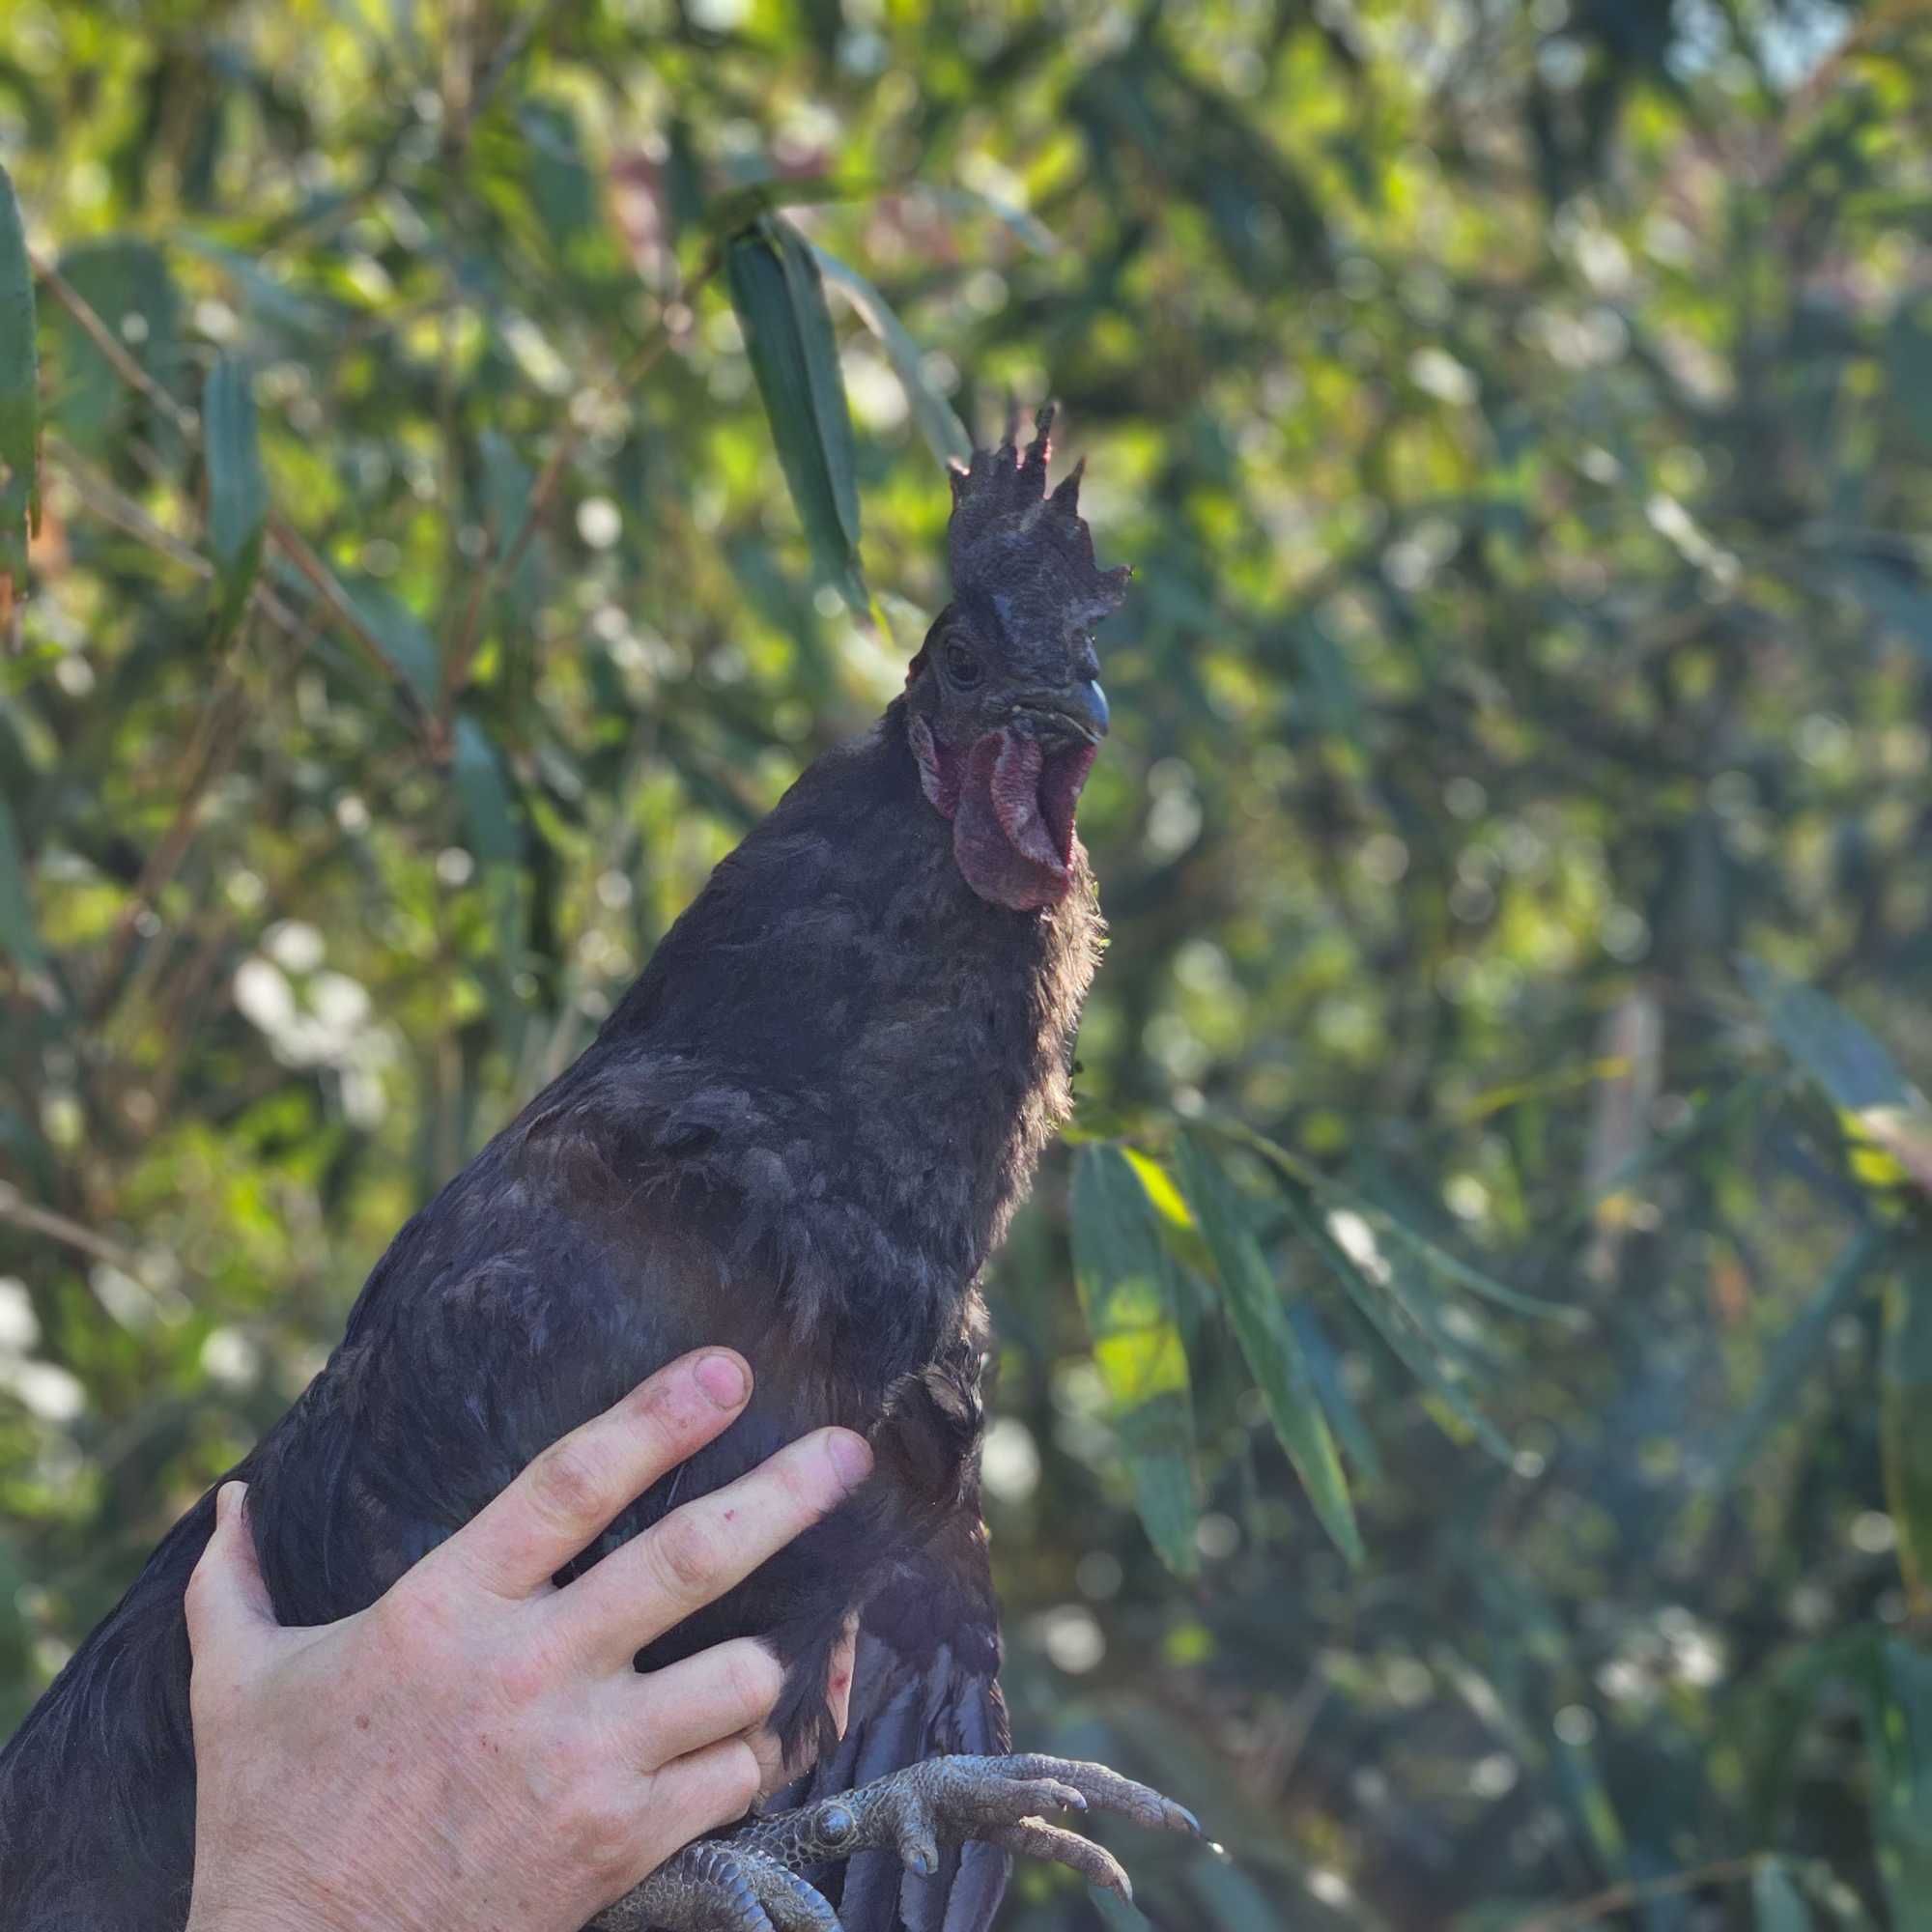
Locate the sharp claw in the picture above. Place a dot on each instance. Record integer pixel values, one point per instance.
(957, 1800)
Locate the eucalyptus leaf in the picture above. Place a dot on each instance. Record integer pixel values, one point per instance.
(1799, 1351)
(237, 493)
(1129, 1296)
(18, 937)
(780, 298)
(1881, 1112)
(19, 397)
(946, 436)
(1905, 1403)
(1268, 1339)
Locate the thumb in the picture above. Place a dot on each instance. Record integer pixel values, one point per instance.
(227, 1601)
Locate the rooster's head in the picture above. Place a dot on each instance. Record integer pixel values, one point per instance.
(1005, 707)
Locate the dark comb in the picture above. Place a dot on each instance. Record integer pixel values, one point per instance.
(1013, 541)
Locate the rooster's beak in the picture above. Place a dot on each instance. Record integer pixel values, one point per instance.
(1081, 707)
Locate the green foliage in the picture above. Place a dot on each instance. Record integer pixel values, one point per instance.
(237, 496)
(780, 296)
(1462, 1426)
(1131, 1294)
(19, 397)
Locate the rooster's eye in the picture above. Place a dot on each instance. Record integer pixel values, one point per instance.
(962, 666)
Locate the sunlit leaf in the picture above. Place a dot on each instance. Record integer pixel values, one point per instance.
(1128, 1294)
(1888, 1120)
(1173, 1216)
(1261, 1325)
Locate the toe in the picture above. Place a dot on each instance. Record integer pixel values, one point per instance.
(916, 1833)
(1035, 1838)
(791, 1904)
(1108, 1791)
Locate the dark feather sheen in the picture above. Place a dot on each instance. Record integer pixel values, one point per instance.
(801, 1134)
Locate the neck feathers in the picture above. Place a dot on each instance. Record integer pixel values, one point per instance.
(858, 1058)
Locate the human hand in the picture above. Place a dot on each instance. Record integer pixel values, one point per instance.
(475, 1748)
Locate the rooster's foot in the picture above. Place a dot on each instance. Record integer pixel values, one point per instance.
(950, 1799)
(720, 1886)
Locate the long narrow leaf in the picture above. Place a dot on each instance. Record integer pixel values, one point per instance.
(238, 495)
(496, 839)
(1386, 1226)
(779, 299)
(1905, 1401)
(1413, 1340)
(1798, 1352)
(20, 398)
(1260, 1325)
(1128, 1294)
(1877, 1105)
(1897, 1687)
(937, 421)
(18, 936)
(1324, 1366)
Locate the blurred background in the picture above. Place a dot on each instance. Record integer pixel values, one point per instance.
(1465, 1420)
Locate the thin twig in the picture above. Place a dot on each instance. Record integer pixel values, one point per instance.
(21, 1212)
(328, 586)
(115, 506)
(110, 346)
(1635, 1892)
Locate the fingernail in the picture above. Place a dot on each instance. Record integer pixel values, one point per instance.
(850, 1455)
(228, 1501)
(724, 1379)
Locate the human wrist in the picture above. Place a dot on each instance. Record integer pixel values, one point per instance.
(252, 1901)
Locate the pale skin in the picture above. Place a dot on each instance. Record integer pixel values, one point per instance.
(475, 1748)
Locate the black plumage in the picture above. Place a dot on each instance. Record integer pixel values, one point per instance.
(801, 1134)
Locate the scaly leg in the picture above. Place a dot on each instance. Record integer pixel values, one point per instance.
(748, 1882)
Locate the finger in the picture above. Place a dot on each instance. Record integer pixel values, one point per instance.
(774, 1773)
(699, 1551)
(227, 1601)
(712, 1787)
(721, 1693)
(568, 1497)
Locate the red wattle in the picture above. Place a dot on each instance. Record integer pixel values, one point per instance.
(1011, 803)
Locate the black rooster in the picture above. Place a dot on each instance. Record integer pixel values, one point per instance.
(801, 1134)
